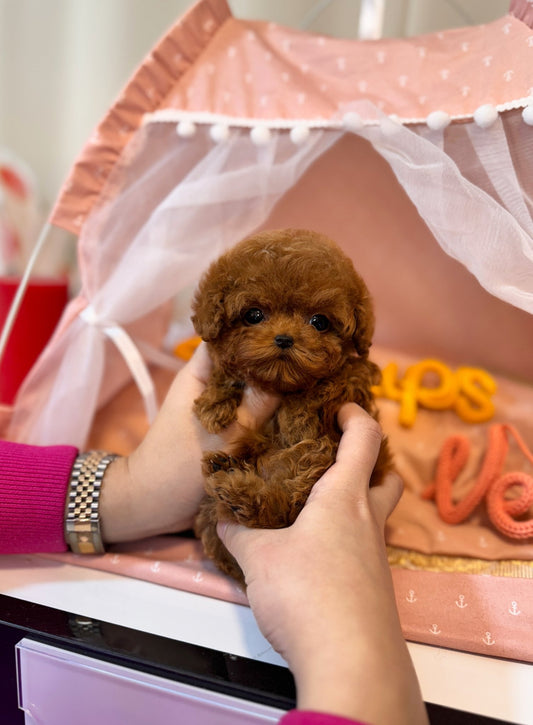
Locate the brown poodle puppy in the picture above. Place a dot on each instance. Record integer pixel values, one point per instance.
(286, 312)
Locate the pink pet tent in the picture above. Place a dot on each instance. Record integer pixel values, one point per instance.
(416, 157)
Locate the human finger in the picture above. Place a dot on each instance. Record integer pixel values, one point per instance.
(191, 380)
(256, 408)
(227, 532)
(386, 495)
(357, 453)
(238, 539)
(200, 365)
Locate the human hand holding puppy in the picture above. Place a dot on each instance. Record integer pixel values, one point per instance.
(322, 593)
(320, 589)
(157, 488)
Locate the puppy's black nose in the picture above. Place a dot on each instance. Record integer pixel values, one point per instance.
(284, 341)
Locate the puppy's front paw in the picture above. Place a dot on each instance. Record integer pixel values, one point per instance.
(215, 417)
(229, 505)
(215, 461)
(224, 482)
(241, 495)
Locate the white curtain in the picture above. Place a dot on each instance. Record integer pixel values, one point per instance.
(487, 227)
(181, 202)
(148, 245)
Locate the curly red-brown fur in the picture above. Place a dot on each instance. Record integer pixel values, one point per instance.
(307, 338)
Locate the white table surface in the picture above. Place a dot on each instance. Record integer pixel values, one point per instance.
(483, 685)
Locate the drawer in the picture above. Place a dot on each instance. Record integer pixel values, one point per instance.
(59, 687)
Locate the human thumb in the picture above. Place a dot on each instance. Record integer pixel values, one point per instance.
(256, 408)
(228, 533)
(241, 541)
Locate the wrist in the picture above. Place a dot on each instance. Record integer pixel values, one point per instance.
(371, 679)
(120, 519)
(138, 502)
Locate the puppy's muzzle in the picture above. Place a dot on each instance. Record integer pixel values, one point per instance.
(284, 341)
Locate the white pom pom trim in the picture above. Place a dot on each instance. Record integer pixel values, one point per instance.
(352, 121)
(299, 134)
(390, 125)
(219, 132)
(186, 129)
(527, 114)
(260, 135)
(438, 120)
(485, 116)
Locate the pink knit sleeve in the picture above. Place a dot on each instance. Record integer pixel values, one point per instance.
(33, 487)
(306, 717)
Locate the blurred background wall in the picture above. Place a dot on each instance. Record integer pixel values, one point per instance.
(62, 62)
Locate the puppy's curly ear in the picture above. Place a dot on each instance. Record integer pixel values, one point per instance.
(208, 310)
(364, 326)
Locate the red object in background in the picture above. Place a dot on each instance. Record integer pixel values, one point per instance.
(41, 308)
(13, 181)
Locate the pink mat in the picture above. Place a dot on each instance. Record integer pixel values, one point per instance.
(470, 612)
(474, 613)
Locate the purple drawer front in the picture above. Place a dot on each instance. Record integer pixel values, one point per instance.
(57, 687)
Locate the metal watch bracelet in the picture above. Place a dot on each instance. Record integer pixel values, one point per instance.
(82, 519)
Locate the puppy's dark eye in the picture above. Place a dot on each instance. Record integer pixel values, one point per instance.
(253, 316)
(319, 322)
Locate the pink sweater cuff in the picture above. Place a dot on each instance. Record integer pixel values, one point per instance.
(33, 487)
(306, 717)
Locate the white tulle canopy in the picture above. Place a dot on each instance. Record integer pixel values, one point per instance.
(188, 183)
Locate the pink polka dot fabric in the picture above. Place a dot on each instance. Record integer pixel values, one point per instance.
(211, 64)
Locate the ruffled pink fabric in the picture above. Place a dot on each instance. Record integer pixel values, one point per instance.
(523, 10)
(212, 63)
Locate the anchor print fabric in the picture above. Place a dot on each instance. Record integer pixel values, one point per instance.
(482, 614)
(172, 561)
(487, 615)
